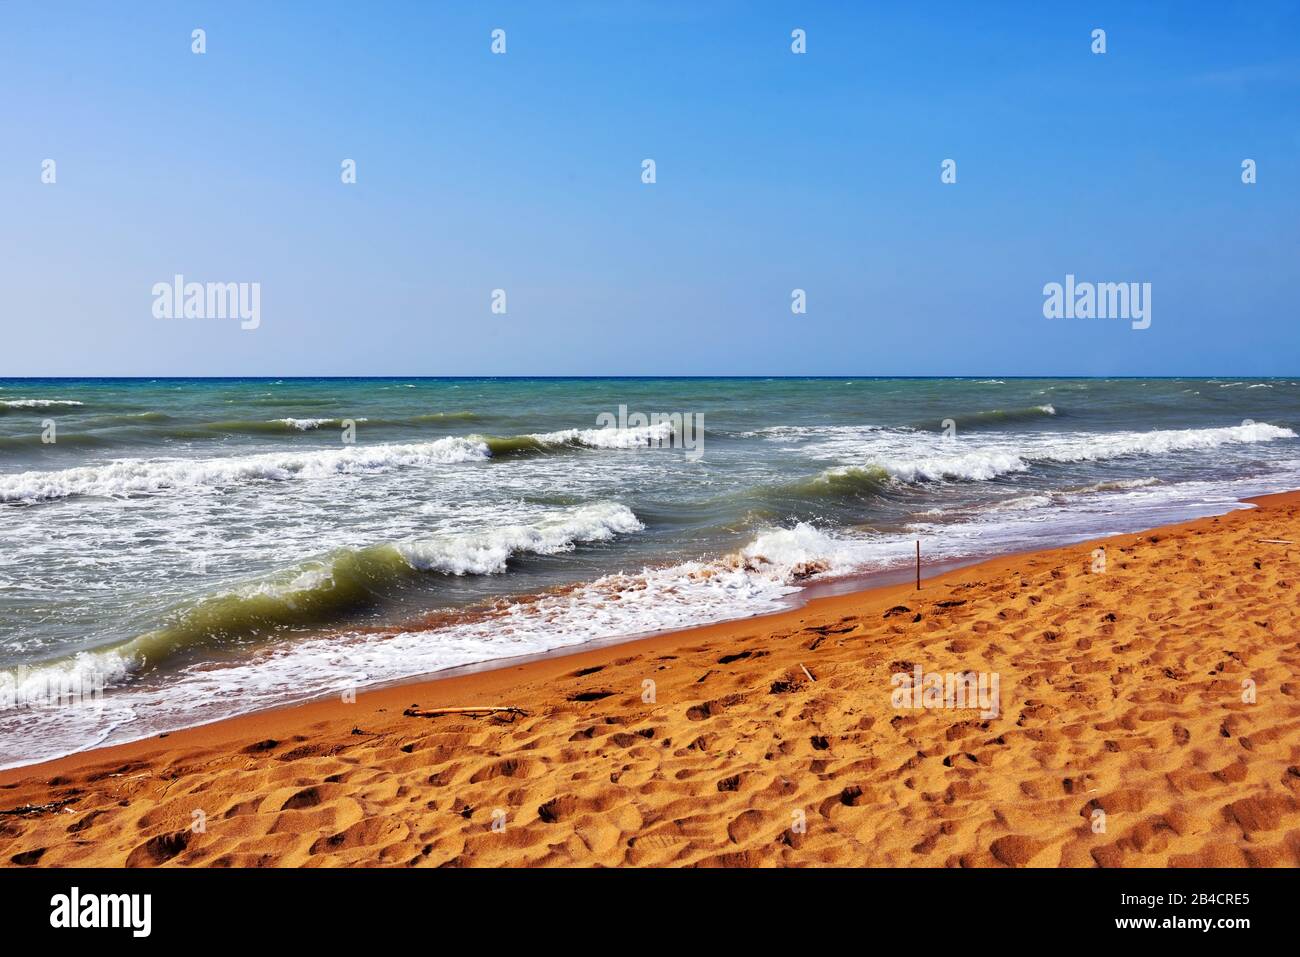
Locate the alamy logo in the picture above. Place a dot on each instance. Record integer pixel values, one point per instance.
(937, 689)
(179, 299)
(35, 688)
(682, 430)
(1102, 300)
(103, 910)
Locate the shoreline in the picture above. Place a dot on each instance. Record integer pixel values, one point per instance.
(846, 585)
(861, 586)
(557, 687)
(856, 584)
(812, 595)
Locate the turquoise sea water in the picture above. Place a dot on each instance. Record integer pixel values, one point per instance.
(201, 548)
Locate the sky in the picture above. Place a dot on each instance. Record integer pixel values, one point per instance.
(775, 171)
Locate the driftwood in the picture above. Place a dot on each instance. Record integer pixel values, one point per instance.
(484, 710)
(1275, 541)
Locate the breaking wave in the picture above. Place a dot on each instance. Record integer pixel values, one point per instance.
(326, 591)
(611, 438)
(18, 405)
(984, 464)
(1001, 416)
(126, 477)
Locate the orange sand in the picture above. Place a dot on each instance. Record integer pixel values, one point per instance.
(1120, 691)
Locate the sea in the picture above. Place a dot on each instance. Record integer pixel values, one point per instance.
(177, 551)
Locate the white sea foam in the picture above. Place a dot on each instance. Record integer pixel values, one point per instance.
(1037, 500)
(144, 476)
(974, 466)
(478, 552)
(1119, 485)
(79, 679)
(37, 403)
(307, 425)
(753, 580)
(487, 552)
(988, 461)
(610, 438)
(778, 432)
(1118, 444)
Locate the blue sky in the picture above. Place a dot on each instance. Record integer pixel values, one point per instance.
(775, 171)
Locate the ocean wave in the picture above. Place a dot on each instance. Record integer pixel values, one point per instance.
(1158, 442)
(754, 579)
(126, 477)
(838, 483)
(281, 426)
(131, 418)
(488, 552)
(66, 440)
(1035, 500)
(974, 466)
(959, 460)
(751, 580)
(1006, 415)
(987, 463)
(22, 405)
(778, 432)
(462, 416)
(307, 425)
(325, 591)
(80, 679)
(302, 402)
(609, 438)
(1118, 485)
(995, 417)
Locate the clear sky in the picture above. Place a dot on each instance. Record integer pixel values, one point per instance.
(775, 171)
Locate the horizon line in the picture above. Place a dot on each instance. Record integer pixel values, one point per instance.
(528, 378)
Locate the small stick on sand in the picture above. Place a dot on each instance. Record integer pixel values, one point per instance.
(807, 672)
(486, 709)
(39, 808)
(1275, 541)
(918, 564)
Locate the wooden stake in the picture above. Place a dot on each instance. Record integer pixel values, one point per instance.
(918, 564)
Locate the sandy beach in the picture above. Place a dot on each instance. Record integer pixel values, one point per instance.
(1147, 714)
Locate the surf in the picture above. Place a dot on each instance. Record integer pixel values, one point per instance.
(983, 464)
(328, 591)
